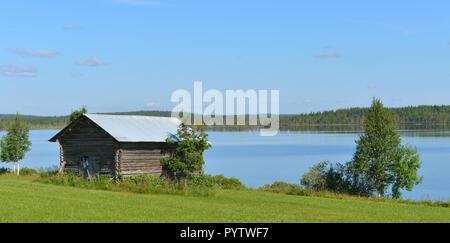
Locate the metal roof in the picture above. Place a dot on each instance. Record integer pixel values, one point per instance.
(137, 128)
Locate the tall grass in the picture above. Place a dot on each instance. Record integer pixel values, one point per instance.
(294, 189)
(203, 185)
(24, 171)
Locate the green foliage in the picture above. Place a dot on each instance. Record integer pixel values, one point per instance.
(326, 177)
(218, 180)
(188, 156)
(35, 122)
(77, 113)
(375, 151)
(420, 117)
(203, 185)
(28, 172)
(380, 161)
(282, 187)
(15, 143)
(315, 179)
(404, 170)
(142, 113)
(4, 171)
(23, 171)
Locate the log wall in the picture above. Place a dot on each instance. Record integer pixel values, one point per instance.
(143, 158)
(87, 139)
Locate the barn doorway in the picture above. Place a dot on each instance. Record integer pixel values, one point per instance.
(90, 166)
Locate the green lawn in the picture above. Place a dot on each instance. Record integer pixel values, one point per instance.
(23, 200)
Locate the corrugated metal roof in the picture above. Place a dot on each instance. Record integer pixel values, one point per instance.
(137, 128)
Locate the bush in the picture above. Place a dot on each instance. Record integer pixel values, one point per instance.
(46, 173)
(4, 171)
(28, 172)
(315, 178)
(220, 181)
(324, 177)
(284, 188)
(23, 172)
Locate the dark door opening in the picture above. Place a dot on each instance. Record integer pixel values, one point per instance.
(90, 166)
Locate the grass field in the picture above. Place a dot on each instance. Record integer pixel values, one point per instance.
(24, 200)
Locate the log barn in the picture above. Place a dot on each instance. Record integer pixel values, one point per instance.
(113, 145)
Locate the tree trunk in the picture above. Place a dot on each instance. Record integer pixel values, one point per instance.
(18, 168)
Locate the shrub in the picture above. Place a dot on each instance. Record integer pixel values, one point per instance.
(315, 178)
(23, 172)
(45, 173)
(187, 159)
(4, 171)
(326, 177)
(284, 188)
(219, 180)
(28, 172)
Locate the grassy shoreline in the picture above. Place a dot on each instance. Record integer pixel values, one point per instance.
(25, 200)
(204, 185)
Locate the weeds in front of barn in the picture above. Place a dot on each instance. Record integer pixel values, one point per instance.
(203, 185)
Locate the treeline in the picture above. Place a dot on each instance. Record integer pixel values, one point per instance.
(35, 122)
(59, 122)
(418, 117)
(142, 113)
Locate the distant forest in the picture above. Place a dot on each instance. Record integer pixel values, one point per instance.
(419, 117)
(35, 122)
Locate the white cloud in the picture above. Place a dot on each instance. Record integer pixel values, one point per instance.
(92, 62)
(70, 27)
(140, 2)
(35, 53)
(329, 55)
(12, 70)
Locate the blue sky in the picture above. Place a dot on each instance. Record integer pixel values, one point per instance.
(124, 55)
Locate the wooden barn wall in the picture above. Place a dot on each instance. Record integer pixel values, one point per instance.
(143, 158)
(87, 139)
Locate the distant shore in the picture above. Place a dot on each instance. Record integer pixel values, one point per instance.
(351, 119)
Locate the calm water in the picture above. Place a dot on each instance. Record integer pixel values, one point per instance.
(257, 160)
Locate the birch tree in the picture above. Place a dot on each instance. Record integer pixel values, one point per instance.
(15, 144)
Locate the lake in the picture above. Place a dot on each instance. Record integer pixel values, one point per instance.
(257, 160)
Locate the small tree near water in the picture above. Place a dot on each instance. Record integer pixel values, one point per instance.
(380, 160)
(187, 158)
(15, 144)
(380, 163)
(315, 178)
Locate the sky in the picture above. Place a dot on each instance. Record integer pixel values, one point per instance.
(127, 55)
